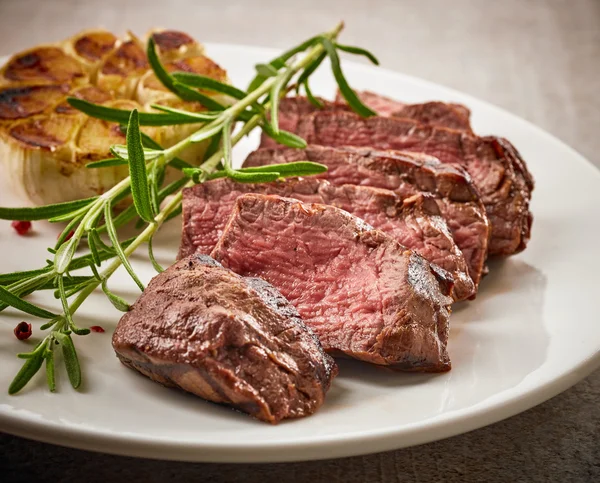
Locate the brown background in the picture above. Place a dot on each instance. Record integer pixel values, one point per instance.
(539, 59)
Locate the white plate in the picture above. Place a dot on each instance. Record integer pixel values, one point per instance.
(532, 332)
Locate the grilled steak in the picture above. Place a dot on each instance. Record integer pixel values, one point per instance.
(364, 294)
(415, 222)
(406, 174)
(495, 166)
(443, 114)
(225, 338)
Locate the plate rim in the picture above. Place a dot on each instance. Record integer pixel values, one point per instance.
(447, 425)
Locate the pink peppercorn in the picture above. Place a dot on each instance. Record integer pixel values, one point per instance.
(21, 227)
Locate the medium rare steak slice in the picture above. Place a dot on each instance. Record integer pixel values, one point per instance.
(406, 174)
(498, 171)
(225, 338)
(454, 116)
(435, 113)
(364, 294)
(415, 222)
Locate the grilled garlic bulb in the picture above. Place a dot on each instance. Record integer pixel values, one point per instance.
(45, 144)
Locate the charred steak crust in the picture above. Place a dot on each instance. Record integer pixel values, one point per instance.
(415, 221)
(227, 339)
(406, 174)
(363, 294)
(497, 170)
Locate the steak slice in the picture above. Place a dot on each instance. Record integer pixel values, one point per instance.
(498, 171)
(364, 294)
(415, 222)
(435, 113)
(227, 339)
(454, 116)
(406, 174)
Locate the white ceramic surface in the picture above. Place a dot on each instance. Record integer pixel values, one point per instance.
(532, 332)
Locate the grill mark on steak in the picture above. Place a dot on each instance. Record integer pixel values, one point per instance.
(415, 221)
(363, 294)
(227, 339)
(499, 173)
(406, 174)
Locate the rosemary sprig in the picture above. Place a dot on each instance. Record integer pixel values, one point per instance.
(87, 219)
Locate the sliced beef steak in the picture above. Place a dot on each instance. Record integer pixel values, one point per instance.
(225, 338)
(364, 294)
(497, 170)
(406, 174)
(415, 221)
(435, 113)
(453, 116)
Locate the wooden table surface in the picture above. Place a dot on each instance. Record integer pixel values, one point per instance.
(539, 59)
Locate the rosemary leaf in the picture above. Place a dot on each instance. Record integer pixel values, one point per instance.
(227, 147)
(137, 170)
(288, 170)
(49, 324)
(8, 278)
(64, 255)
(117, 246)
(70, 358)
(49, 356)
(159, 71)
(188, 94)
(44, 212)
(68, 315)
(203, 82)
(112, 114)
(276, 93)
(106, 163)
(279, 62)
(91, 240)
(121, 152)
(66, 232)
(358, 51)
(122, 218)
(155, 264)
(284, 137)
(311, 68)
(309, 95)
(118, 302)
(351, 98)
(18, 303)
(266, 70)
(199, 116)
(181, 90)
(267, 177)
(28, 370)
